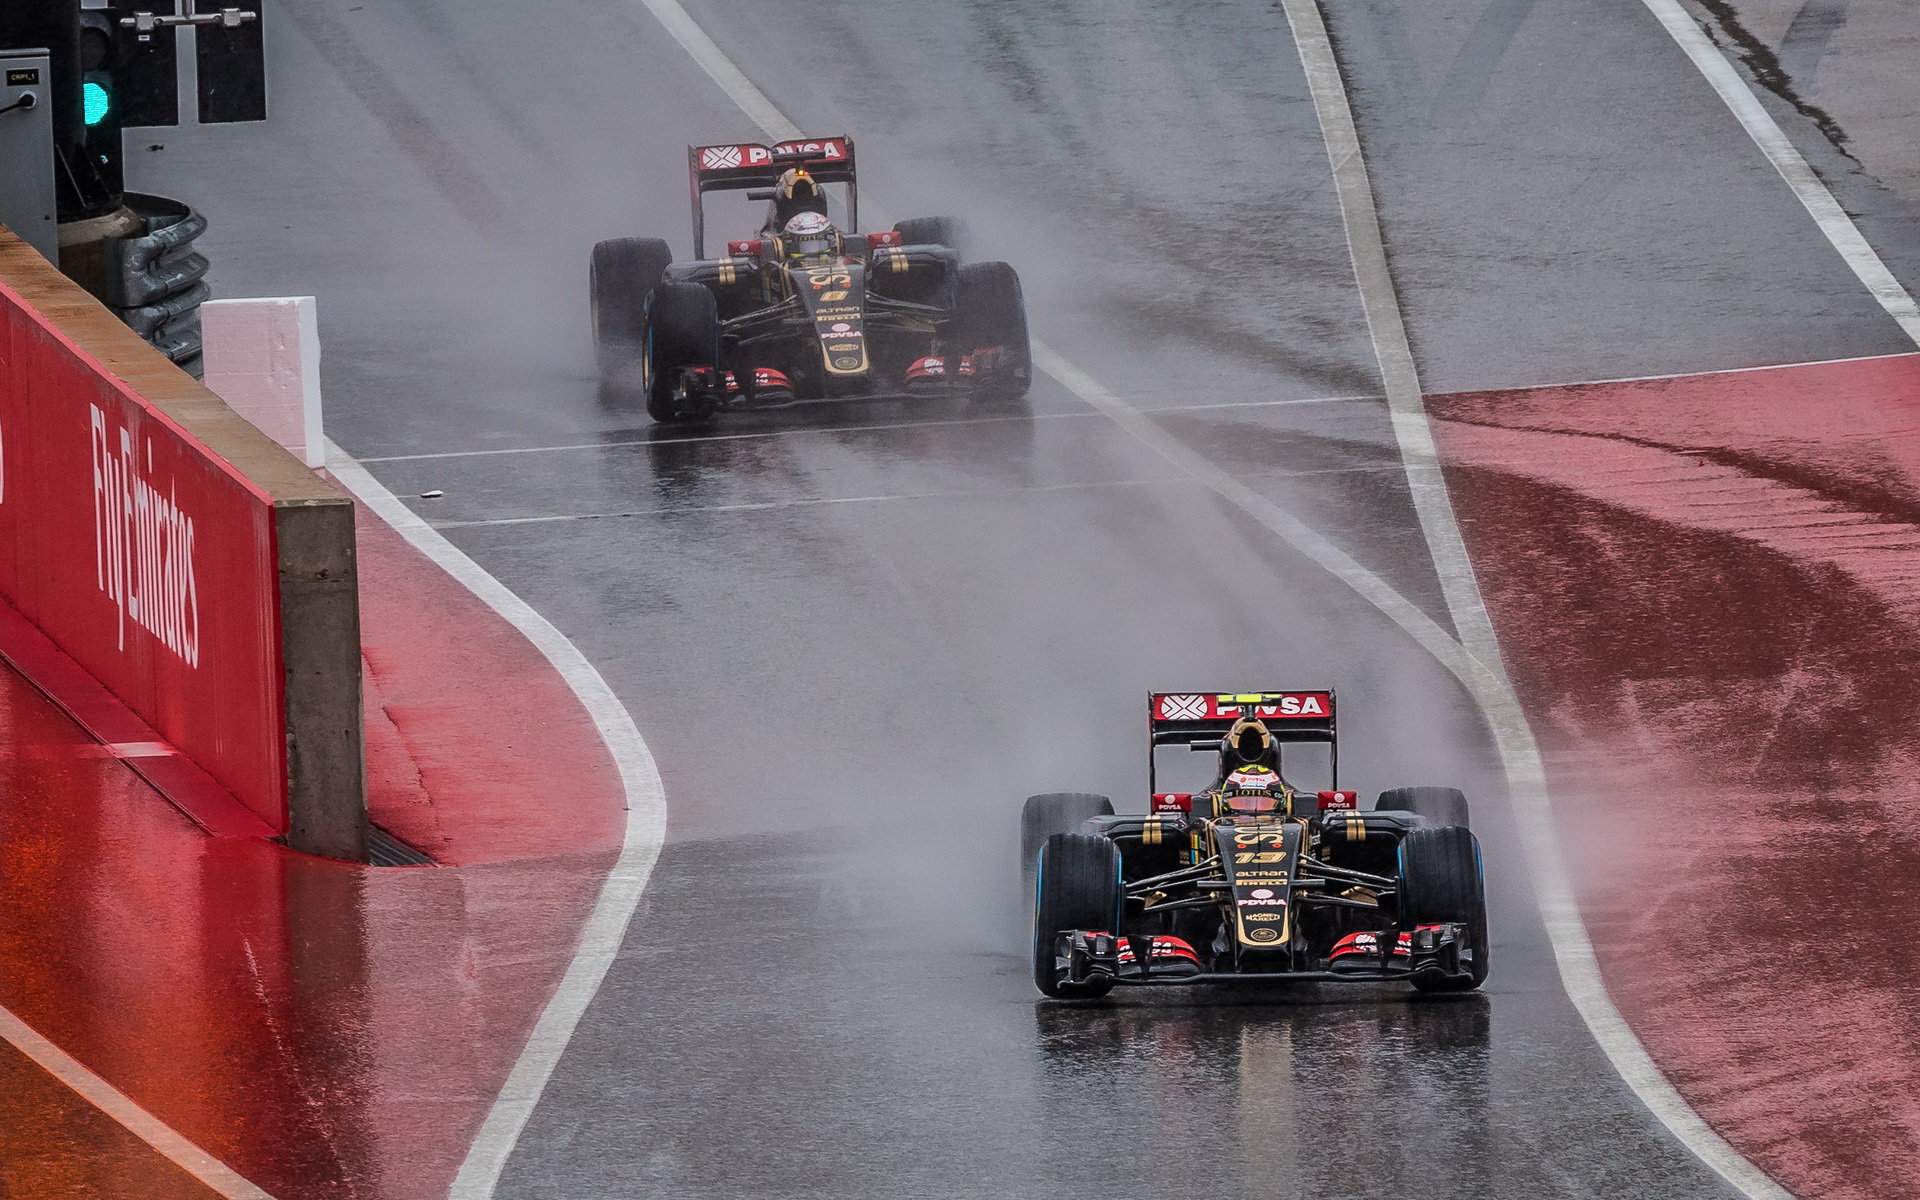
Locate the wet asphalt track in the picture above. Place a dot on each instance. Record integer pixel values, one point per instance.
(857, 637)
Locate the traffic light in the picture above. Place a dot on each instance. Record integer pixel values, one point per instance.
(145, 66)
(98, 174)
(229, 57)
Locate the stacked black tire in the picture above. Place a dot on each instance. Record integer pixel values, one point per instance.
(155, 281)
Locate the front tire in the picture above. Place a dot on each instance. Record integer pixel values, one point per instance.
(683, 330)
(1078, 888)
(992, 312)
(623, 272)
(1441, 882)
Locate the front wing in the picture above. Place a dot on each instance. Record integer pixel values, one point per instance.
(1436, 952)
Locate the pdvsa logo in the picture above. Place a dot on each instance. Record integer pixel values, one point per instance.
(142, 544)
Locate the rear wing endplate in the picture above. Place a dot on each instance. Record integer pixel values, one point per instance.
(1201, 719)
(741, 165)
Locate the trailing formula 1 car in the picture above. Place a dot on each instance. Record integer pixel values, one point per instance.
(1252, 878)
(804, 310)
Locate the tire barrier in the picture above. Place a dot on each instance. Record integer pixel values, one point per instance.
(175, 553)
(155, 282)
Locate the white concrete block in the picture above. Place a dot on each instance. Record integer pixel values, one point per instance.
(263, 359)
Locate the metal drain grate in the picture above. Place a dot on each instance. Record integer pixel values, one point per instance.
(386, 850)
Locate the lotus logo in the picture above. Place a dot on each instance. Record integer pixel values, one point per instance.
(1182, 708)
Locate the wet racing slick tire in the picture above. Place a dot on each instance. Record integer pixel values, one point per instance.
(623, 272)
(1439, 805)
(1078, 888)
(1050, 813)
(1440, 882)
(992, 312)
(950, 232)
(682, 330)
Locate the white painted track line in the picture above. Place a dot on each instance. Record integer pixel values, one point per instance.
(619, 894)
(1296, 533)
(1487, 680)
(818, 430)
(1834, 223)
(967, 422)
(224, 1180)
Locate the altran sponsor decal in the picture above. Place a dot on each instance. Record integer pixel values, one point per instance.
(143, 543)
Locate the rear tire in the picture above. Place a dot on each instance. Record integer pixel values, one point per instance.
(1078, 888)
(1440, 882)
(683, 330)
(624, 271)
(1050, 813)
(992, 312)
(1441, 806)
(950, 232)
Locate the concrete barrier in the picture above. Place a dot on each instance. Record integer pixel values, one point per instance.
(181, 558)
(263, 359)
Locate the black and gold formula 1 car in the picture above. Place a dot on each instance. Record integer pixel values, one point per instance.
(805, 309)
(1252, 878)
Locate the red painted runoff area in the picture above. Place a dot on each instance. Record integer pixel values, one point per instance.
(323, 1028)
(1707, 590)
(143, 555)
(477, 751)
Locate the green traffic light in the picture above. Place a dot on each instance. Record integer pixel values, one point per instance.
(96, 100)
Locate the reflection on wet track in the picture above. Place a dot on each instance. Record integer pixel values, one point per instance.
(1302, 1088)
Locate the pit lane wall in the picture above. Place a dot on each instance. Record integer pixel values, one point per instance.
(180, 557)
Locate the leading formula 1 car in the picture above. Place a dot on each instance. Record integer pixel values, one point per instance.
(804, 310)
(1252, 878)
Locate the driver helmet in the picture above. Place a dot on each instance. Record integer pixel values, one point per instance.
(797, 192)
(1251, 783)
(1251, 789)
(810, 235)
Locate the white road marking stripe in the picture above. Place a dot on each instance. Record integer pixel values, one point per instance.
(719, 68)
(619, 895)
(629, 443)
(1157, 410)
(799, 502)
(137, 1120)
(1788, 366)
(1024, 419)
(1774, 143)
(879, 498)
(1278, 521)
(1487, 680)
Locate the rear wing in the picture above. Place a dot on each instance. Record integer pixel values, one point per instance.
(1201, 719)
(749, 165)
